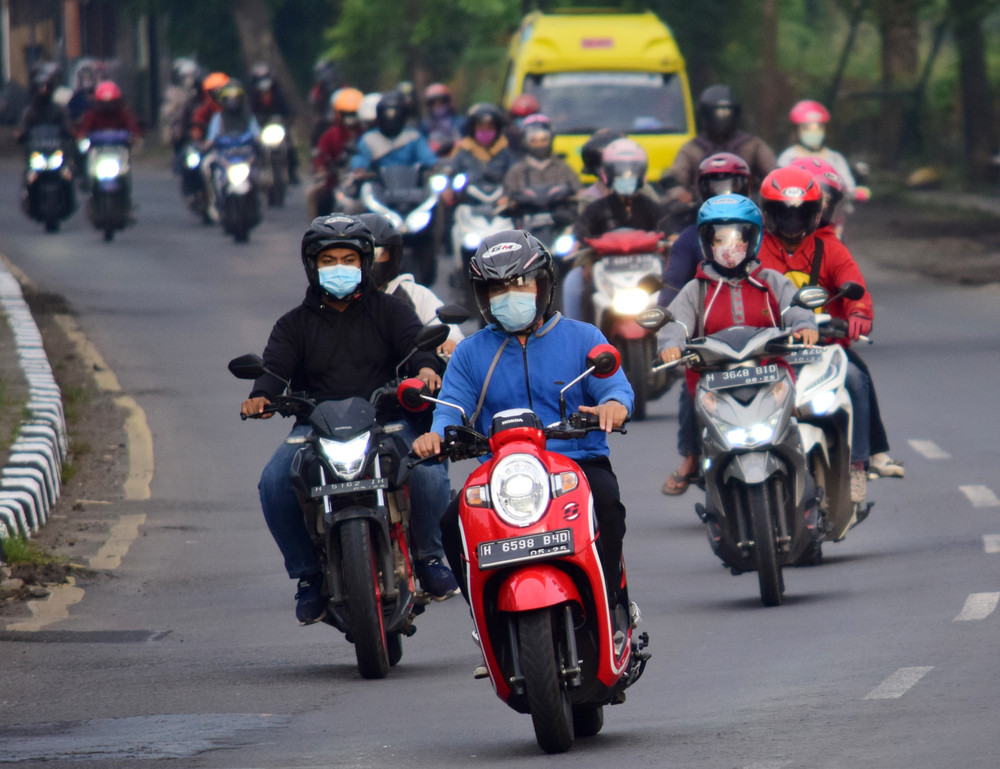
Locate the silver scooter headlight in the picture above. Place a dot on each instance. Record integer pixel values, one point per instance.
(347, 458)
(773, 405)
(519, 489)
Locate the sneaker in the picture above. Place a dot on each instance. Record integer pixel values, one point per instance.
(859, 482)
(437, 579)
(311, 605)
(635, 616)
(884, 466)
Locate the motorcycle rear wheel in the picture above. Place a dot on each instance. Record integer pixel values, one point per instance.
(548, 700)
(364, 600)
(765, 549)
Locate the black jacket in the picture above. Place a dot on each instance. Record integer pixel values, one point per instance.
(609, 213)
(333, 355)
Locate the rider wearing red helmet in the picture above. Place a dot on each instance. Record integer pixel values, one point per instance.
(108, 112)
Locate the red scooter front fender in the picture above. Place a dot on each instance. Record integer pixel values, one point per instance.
(535, 587)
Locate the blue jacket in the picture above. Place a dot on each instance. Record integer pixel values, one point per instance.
(685, 256)
(407, 149)
(531, 377)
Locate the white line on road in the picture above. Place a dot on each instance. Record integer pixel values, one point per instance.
(992, 543)
(978, 606)
(929, 449)
(980, 496)
(898, 683)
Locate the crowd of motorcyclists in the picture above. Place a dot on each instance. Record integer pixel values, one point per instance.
(736, 231)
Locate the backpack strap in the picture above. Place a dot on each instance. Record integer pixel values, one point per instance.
(486, 382)
(816, 264)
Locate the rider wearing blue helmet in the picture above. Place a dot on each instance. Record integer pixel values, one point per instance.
(730, 287)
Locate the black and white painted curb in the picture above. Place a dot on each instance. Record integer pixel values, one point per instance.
(30, 481)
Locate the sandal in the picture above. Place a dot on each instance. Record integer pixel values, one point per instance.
(677, 484)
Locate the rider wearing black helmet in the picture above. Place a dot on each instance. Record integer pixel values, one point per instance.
(344, 340)
(516, 362)
(390, 142)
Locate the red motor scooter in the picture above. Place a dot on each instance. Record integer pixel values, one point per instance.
(553, 646)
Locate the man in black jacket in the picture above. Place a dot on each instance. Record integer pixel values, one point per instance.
(344, 340)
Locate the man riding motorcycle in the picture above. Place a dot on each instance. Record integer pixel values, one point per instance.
(333, 149)
(539, 166)
(520, 360)
(267, 102)
(345, 340)
(390, 142)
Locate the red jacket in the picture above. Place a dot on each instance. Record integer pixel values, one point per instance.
(836, 268)
(100, 119)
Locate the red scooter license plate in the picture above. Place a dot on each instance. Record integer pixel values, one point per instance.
(531, 547)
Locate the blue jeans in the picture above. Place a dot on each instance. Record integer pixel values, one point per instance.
(430, 492)
(688, 442)
(859, 388)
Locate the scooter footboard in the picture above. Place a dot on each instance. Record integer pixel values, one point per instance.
(536, 587)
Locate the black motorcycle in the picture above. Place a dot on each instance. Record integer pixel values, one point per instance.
(48, 195)
(109, 178)
(234, 176)
(350, 476)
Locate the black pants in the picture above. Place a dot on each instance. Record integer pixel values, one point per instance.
(610, 519)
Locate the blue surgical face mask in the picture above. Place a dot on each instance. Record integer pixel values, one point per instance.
(625, 186)
(340, 279)
(514, 310)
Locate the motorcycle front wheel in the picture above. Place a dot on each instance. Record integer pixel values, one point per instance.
(364, 599)
(765, 550)
(637, 357)
(548, 700)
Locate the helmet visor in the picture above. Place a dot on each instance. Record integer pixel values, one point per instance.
(792, 223)
(710, 185)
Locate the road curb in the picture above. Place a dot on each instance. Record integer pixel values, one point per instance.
(31, 480)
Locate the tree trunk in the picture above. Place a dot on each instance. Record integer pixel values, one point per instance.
(253, 24)
(978, 117)
(897, 21)
(772, 99)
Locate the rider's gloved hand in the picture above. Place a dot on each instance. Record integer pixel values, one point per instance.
(858, 325)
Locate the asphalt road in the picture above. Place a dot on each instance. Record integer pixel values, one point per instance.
(190, 656)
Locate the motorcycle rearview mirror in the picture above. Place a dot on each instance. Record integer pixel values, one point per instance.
(452, 314)
(409, 394)
(653, 318)
(604, 359)
(651, 284)
(430, 337)
(852, 291)
(247, 366)
(811, 297)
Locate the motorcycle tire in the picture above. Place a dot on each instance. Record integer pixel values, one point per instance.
(279, 185)
(52, 225)
(109, 233)
(637, 356)
(765, 548)
(548, 700)
(364, 599)
(588, 720)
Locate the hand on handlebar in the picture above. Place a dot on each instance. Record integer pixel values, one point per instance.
(254, 407)
(808, 336)
(431, 378)
(611, 414)
(427, 445)
(670, 354)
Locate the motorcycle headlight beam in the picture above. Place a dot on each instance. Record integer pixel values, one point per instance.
(347, 458)
(272, 135)
(238, 173)
(107, 168)
(519, 490)
(417, 220)
(471, 240)
(563, 245)
(629, 301)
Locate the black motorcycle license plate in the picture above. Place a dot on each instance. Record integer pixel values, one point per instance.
(531, 547)
(741, 377)
(349, 487)
(802, 357)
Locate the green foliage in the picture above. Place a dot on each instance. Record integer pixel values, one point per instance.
(20, 550)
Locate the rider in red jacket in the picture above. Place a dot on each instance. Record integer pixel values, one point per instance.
(108, 113)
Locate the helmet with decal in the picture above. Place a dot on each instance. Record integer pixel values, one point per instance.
(730, 229)
(509, 260)
(791, 203)
(830, 183)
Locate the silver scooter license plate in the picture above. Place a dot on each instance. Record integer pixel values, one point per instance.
(802, 357)
(741, 377)
(531, 547)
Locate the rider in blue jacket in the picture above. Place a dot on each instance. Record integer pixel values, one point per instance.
(390, 142)
(519, 361)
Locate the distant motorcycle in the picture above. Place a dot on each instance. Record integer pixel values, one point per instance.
(109, 179)
(47, 194)
(627, 270)
(400, 194)
(476, 216)
(235, 185)
(273, 173)
(548, 212)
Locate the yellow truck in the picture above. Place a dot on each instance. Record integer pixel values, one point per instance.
(604, 69)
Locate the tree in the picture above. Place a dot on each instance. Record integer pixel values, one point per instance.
(978, 117)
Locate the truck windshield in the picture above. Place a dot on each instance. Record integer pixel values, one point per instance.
(630, 102)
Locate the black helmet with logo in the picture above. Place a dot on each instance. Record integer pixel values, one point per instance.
(390, 114)
(512, 258)
(336, 230)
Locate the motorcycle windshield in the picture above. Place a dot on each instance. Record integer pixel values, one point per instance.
(45, 137)
(342, 419)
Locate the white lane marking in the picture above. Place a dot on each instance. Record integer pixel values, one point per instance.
(991, 542)
(898, 684)
(980, 496)
(929, 449)
(978, 606)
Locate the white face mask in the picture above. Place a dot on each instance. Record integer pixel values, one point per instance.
(729, 249)
(812, 136)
